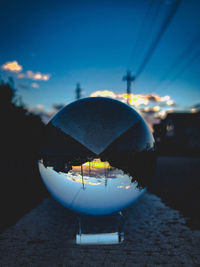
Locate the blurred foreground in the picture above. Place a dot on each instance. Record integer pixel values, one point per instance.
(155, 235)
(20, 185)
(177, 182)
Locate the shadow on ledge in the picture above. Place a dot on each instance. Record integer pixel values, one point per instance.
(177, 183)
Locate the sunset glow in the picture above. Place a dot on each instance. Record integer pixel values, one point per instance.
(151, 106)
(135, 100)
(95, 169)
(94, 165)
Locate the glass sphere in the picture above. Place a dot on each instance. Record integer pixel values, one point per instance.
(97, 156)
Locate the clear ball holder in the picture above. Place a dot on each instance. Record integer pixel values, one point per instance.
(101, 230)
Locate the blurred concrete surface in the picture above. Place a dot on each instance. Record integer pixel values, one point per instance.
(155, 235)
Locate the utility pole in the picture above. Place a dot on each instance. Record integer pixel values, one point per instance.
(129, 79)
(78, 91)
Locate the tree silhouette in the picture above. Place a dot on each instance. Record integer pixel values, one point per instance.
(20, 185)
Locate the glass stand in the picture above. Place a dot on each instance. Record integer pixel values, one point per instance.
(100, 230)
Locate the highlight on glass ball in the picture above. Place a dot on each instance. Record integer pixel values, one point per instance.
(97, 156)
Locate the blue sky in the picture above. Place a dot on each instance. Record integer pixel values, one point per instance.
(94, 42)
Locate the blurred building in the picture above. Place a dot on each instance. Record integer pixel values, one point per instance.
(178, 133)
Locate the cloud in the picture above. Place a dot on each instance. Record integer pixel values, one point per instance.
(150, 110)
(135, 100)
(58, 107)
(39, 107)
(154, 98)
(196, 106)
(36, 109)
(12, 66)
(37, 76)
(194, 110)
(104, 93)
(40, 111)
(35, 85)
(152, 107)
(45, 115)
(171, 103)
(21, 76)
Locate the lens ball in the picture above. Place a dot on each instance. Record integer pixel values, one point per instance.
(97, 156)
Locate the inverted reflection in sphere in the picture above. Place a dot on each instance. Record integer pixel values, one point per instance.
(97, 156)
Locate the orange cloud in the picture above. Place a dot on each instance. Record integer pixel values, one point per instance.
(193, 110)
(150, 110)
(37, 76)
(170, 103)
(104, 93)
(156, 107)
(135, 100)
(12, 66)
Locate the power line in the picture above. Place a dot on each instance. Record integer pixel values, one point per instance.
(141, 27)
(182, 70)
(142, 37)
(156, 41)
(180, 58)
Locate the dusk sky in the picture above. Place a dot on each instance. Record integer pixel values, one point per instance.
(49, 46)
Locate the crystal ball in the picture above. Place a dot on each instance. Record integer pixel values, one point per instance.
(97, 156)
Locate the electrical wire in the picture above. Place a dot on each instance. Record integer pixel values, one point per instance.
(182, 56)
(182, 70)
(156, 41)
(141, 27)
(143, 37)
